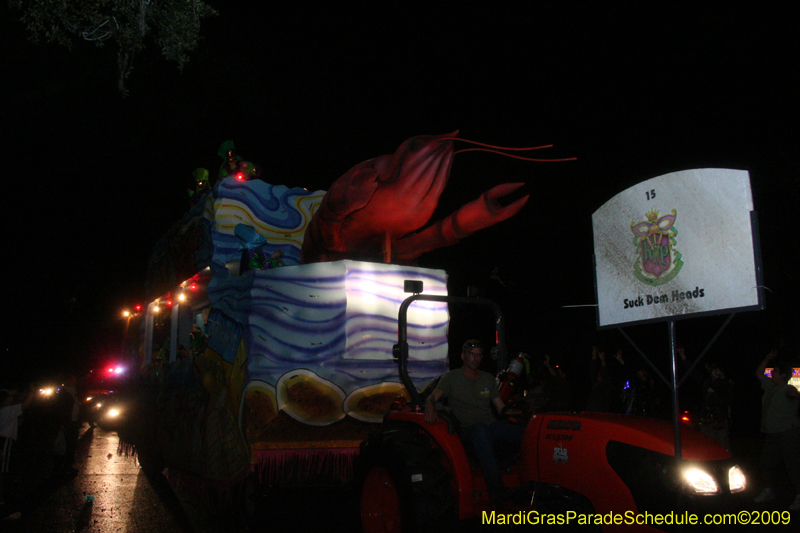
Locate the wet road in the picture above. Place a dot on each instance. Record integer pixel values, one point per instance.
(110, 493)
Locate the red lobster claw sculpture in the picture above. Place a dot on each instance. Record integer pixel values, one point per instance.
(377, 207)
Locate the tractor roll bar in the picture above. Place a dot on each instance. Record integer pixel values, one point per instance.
(400, 350)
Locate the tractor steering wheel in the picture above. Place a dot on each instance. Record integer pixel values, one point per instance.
(518, 404)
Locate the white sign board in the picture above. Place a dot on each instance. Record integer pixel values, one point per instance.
(676, 245)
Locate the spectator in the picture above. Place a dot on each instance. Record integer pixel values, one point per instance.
(604, 396)
(9, 422)
(639, 397)
(781, 427)
(558, 389)
(69, 416)
(715, 399)
(536, 397)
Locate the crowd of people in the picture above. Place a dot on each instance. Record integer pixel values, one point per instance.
(38, 436)
(541, 385)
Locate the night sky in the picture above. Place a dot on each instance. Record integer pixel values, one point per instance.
(92, 180)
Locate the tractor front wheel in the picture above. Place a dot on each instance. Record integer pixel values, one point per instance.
(380, 503)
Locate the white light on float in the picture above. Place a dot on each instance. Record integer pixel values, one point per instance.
(365, 294)
(374, 292)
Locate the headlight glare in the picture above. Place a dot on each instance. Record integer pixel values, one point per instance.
(736, 479)
(700, 482)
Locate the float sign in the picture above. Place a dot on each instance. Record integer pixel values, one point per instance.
(678, 245)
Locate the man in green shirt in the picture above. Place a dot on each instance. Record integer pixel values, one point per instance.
(472, 393)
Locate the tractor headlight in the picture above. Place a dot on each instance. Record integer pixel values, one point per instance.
(700, 482)
(736, 479)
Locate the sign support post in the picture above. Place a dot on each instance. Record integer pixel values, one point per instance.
(676, 419)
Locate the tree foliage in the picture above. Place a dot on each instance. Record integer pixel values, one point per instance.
(174, 25)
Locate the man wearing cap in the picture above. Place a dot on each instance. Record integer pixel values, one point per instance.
(472, 393)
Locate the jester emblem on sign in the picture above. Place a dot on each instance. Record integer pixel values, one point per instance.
(658, 261)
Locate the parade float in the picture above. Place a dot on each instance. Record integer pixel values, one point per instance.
(266, 345)
(280, 346)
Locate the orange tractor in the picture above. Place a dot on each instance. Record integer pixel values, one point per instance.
(614, 472)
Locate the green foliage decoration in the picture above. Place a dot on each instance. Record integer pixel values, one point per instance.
(174, 25)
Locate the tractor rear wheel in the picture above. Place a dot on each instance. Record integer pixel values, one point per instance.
(405, 483)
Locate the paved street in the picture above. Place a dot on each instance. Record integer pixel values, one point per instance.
(110, 493)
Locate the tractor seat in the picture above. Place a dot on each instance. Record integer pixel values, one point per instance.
(505, 458)
(453, 425)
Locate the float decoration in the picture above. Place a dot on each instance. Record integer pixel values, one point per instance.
(253, 255)
(234, 166)
(300, 357)
(376, 209)
(200, 176)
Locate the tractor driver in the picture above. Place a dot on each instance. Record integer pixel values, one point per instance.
(471, 393)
